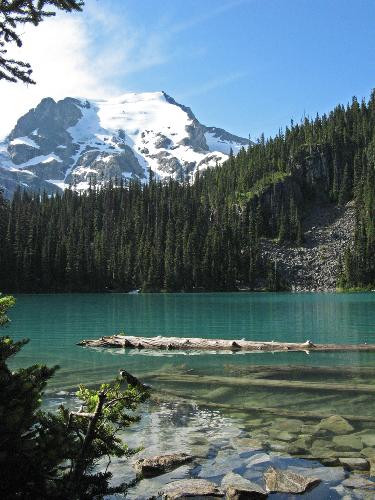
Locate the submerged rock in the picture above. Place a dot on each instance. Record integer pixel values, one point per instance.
(326, 474)
(246, 444)
(258, 459)
(322, 444)
(282, 435)
(303, 442)
(368, 439)
(255, 422)
(310, 429)
(238, 488)
(368, 452)
(154, 466)
(225, 461)
(349, 442)
(191, 488)
(279, 481)
(290, 425)
(335, 424)
(278, 445)
(354, 463)
(359, 482)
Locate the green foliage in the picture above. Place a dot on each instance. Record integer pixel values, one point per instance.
(53, 455)
(21, 463)
(118, 401)
(5, 303)
(262, 185)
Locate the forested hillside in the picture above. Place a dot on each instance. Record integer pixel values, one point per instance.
(206, 235)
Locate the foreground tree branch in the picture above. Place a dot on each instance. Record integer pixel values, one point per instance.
(13, 15)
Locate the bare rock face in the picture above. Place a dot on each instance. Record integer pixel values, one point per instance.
(191, 488)
(279, 481)
(162, 141)
(315, 265)
(238, 488)
(154, 466)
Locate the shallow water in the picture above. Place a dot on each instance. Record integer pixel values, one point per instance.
(276, 399)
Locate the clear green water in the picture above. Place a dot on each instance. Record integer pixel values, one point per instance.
(276, 399)
(55, 323)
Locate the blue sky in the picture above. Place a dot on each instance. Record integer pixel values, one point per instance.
(245, 65)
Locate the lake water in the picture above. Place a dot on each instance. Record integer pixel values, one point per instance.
(278, 400)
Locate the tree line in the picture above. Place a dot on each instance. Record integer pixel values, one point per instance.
(205, 235)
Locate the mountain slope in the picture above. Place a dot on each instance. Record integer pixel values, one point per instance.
(73, 142)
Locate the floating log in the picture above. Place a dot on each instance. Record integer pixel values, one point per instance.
(197, 344)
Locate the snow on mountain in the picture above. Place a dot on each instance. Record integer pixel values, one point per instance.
(73, 142)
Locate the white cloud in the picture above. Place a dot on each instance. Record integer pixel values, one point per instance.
(57, 51)
(91, 54)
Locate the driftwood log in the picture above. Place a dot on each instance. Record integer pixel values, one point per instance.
(184, 344)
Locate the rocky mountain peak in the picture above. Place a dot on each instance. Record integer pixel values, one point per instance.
(73, 142)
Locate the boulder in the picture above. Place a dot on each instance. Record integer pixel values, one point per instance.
(154, 466)
(191, 488)
(280, 481)
(238, 488)
(354, 463)
(335, 424)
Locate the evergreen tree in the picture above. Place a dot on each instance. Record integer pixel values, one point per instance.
(53, 455)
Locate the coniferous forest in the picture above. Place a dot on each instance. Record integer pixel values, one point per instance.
(203, 235)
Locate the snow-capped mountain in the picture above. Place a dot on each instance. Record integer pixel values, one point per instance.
(73, 142)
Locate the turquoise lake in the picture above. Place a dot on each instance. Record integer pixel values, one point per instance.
(55, 323)
(275, 402)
